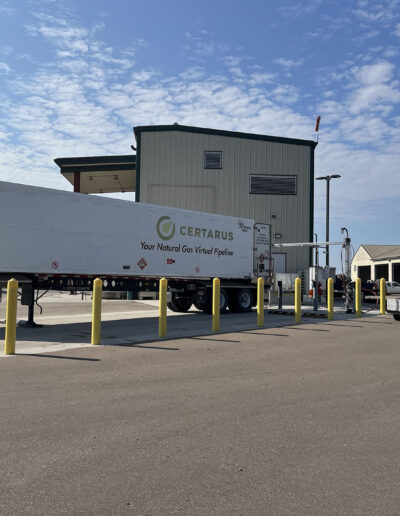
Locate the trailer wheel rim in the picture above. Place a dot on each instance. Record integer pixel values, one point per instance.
(223, 299)
(245, 299)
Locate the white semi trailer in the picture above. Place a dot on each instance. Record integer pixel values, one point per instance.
(51, 239)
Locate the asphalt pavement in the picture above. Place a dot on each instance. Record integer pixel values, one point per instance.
(299, 420)
(65, 323)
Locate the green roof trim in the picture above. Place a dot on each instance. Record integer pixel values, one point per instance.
(217, 132)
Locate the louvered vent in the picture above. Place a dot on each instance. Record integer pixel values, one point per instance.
(213, 159)
(273, 185)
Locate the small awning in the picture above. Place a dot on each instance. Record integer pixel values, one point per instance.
(100, 174)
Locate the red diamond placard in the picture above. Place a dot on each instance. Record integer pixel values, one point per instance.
(142, 263)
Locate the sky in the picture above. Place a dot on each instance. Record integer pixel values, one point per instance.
(76, 77)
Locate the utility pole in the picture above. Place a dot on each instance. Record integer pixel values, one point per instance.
(328, 180)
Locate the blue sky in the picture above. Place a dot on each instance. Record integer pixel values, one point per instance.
(75, 77)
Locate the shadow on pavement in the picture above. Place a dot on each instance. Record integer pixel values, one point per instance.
(148, 347)
(307, 329)
(263, 333)
(46, 355)
(214, 340)
(137, 331)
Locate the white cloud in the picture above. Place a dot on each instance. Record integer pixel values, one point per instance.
(285, 93)
(6, 50)
(376, 73)
(256, 79)
(300, 8)
(7, 9)
(375, 90)
(287, 64)
(4, 68)
(194, 73)
(382, 12)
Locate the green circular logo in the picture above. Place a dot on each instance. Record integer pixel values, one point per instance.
(165, 228)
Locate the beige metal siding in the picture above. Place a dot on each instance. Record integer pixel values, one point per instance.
(362, 258)
(172, 173)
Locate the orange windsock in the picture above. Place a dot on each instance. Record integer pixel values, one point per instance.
(317, 124)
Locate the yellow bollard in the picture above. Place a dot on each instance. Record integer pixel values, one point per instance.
(358, 297)
(382, 295)
(11, 317)
(216, 304)
(260, 302)
(297, 301)
(330, 299)
(96, 310)
(162, 320)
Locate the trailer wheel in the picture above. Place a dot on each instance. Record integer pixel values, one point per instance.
(183, 304)
(179, 304)
(206, 307)
(396, 317)
(223, 300)
(241, 300)
(172, 306)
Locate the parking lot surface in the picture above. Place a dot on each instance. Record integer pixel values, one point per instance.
(286, 420)
(66, 323)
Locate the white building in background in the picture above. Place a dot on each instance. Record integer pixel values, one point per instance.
(372, 262)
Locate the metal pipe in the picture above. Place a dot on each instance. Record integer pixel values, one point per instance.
(327, 220)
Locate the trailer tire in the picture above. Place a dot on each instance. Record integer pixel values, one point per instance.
(396, 317)
(179, 304)
(223, 300)
(172, 306)
(241, 300)
(206, 307)
(183, 304)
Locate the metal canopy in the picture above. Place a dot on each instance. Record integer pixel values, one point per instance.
(100, 174)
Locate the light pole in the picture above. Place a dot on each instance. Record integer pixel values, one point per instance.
(328, 180)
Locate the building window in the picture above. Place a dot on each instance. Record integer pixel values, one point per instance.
(273, 184)
(213, 159)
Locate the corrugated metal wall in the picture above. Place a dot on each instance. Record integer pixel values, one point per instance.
(172, 173)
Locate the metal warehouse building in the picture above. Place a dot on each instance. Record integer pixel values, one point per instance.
(265, 178)
(372, 262)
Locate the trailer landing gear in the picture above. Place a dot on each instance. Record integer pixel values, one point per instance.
(28, 298)
(30, 323)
